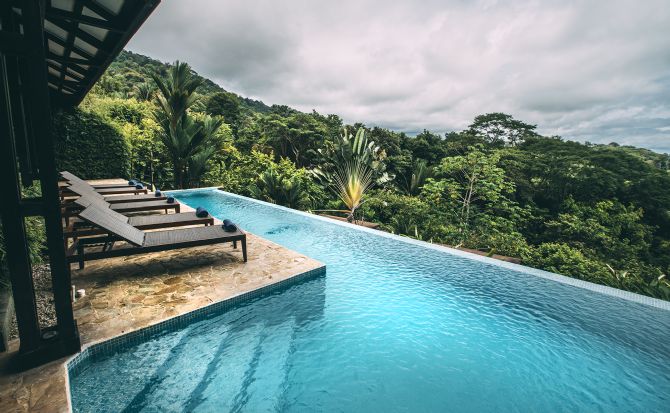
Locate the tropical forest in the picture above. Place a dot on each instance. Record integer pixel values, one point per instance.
(596, 212)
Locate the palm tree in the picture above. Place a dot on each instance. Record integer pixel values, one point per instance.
(143, 91)
(350, 182)
(272, 187)
(351, 167)
(182, 135)
(417, 177)
(197, 163)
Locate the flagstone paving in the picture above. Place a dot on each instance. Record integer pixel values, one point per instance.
(128, 293)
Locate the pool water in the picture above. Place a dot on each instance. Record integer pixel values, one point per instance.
(393, 326)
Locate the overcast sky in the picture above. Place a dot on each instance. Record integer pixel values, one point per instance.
(585, 70)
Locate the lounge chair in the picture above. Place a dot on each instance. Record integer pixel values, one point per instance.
(71, 178)
(71, 209)
(115, 189)
(81, 228)
(66, 191)
(79, 189)
(141, 242)
(125, 207)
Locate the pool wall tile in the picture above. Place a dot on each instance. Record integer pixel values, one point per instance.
(113, 345)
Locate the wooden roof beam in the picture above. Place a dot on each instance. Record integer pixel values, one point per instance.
(99, 10)
(74, 68)
(63, 59)
(71, 30)
(62, 15)
(78, 50)
(92, 40)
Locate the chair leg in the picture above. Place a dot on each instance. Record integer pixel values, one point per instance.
(235, 244)
(244, 249)
(80, 252)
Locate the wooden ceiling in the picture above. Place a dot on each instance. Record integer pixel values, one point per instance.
(82, 37)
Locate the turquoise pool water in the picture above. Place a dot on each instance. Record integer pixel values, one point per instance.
(392, 327)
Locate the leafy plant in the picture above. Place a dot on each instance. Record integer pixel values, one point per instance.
(417, 177)
(350, 182)
(89, 146)
(185, 138)
(273, 187)
(143, 91)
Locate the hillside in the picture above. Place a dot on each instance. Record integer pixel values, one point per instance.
(130, 71)
(596, 212)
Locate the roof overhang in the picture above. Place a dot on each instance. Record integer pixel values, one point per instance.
(82, 38)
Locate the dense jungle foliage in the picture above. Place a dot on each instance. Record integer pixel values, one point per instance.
(595, 212)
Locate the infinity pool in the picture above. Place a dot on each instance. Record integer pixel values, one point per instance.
(393, 326)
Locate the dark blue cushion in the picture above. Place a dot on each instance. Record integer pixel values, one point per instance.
(139, 186)
(229, 226)
(132, 183)
(201, 212)
(158, 193)
(170, 200)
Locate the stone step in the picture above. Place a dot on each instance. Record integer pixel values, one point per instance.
(185, 370)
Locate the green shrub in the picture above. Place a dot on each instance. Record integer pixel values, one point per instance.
(566, 260)
(243, 174)
(397, 213)
(89, 146)
(149, 160)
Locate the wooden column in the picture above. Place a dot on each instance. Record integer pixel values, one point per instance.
(13, 227)
(39, 111)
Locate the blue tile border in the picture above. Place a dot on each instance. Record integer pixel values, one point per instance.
(598, 288)
(111, 346)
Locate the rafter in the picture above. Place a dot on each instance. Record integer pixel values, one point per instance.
(70, 85)
(76, 49)
(99, 10)
(74, 68)
(92, 40)
(56, 14)
(71, 30)
(63, 59)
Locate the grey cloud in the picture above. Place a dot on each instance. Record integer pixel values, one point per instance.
(597, 71)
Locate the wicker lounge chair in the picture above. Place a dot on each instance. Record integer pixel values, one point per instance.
(78, 189)
(126, 207)
(71, 209)
(81, 228)
(72, 178)
(115, 189)
(141, 242)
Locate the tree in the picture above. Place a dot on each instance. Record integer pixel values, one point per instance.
(500, 129)
(608, 230)
(428, 146)
(226, 104)
(185, 138)
(416, 177)
(349, 147)
(471, 181)
(272, 187)
(350, 167)
(143, 92)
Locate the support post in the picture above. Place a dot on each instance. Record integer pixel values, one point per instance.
(13, 226)
(37, 96)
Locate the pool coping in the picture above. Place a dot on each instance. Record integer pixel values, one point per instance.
(597, 288)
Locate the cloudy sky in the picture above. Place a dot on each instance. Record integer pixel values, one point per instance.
(585, 70)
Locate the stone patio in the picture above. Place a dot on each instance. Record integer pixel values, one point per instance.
(128, 293)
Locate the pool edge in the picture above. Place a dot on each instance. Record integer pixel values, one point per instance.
(593, 287)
